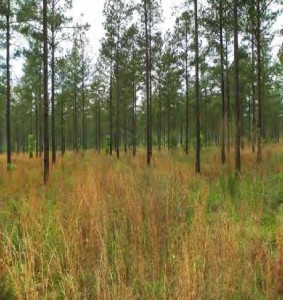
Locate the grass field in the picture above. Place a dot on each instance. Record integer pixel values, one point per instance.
(109, 229)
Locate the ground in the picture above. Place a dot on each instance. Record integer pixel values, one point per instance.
(114, 229)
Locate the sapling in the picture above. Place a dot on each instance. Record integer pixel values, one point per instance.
(107, 144)
(30, 145)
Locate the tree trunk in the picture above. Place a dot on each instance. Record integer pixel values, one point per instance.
(187, 94)
(236, 92)
(75, 120)
(134, 114)
(53, 141)
(46, 104)
(147, 62)
(228, 98)
(117, 98)
(197, 89)
(159, 116)
(258, 41)
(111, 110)
(8, 103)
(223, 124)
(62, 126)
(253, 96)
(84, 142)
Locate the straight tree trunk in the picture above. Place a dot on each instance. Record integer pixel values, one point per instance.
(40, 114)
(228, 98)
(111, 110)
(46, 104)
(253, 95)
(187, 94)
(125, 125)
(62, 126)
(258, 41)
(36, 126)
(117, 98)
(84, 141)
(148, 110)
(236, 92)
(223, 124)
(1, 136)
(8, 103)
(197, 89)
(134, 114)
(53, 138)
(75, 120)
(159, 116)
(150, 74)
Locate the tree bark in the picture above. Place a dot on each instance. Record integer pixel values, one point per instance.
(197, 89)
(236, 92)
(223, 125)
(148, 106)
(187, 94)
(117, 97)
(111, 110)
(62, 126)
(134, 114)
(53, 137)
(8, 103)
(258, 41)
(46, 104)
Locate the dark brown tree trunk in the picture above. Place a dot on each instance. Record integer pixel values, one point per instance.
(159, 117)
(84, 141)
(118, 98)
(53, 138)
(40, 114)
(125, 125)
(258, 41)
(8, 102)
(253, 96)
(75, 120)
(150, 74)
(1, 136)
(62, 126)
(99, 127)
(134, 114)
(187, 94)
(197, 89)
(147, 62)
(46, 104)
(111, 111)
(223, 124)
(236, 92)
(36, 125)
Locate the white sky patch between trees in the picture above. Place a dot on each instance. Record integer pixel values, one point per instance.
(91, 12)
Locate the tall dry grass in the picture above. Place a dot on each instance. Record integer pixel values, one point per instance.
(108, 229)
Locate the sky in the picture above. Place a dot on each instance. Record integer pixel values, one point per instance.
(92, 11)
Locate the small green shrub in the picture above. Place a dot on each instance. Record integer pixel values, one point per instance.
(31, 145)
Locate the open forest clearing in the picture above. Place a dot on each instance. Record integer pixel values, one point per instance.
(115, 229)
(141, 151)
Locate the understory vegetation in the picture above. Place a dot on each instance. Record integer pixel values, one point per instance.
(115, 229)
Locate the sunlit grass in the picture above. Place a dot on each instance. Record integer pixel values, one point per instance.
(114, 229)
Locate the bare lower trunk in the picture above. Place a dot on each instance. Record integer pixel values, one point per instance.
(46, 104)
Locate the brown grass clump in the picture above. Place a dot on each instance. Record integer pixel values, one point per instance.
(115, 229)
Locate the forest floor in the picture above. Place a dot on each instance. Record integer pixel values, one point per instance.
(114, 229)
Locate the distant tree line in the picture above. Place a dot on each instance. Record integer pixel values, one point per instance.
(212, 79)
